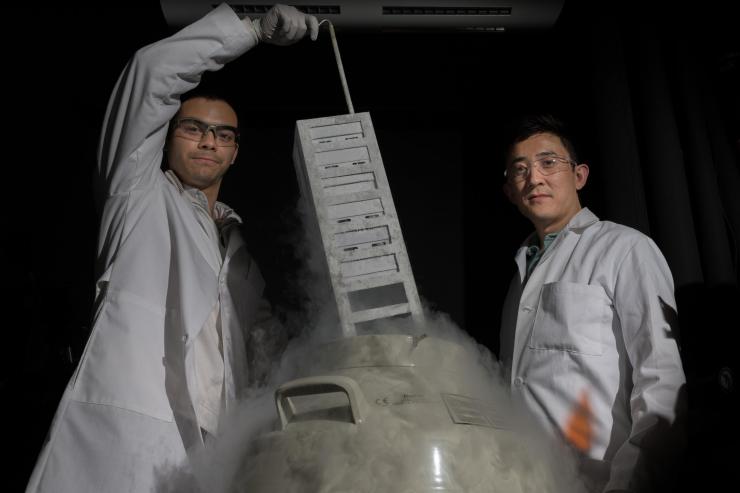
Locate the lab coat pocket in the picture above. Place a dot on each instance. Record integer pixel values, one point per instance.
(572, 317)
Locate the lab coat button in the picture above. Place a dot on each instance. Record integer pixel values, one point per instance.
(518, 381)
(185, 338)
(526, 308)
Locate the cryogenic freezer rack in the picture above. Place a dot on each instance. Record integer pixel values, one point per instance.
(339, 167)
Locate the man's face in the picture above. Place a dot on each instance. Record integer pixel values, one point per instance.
(545, 199)
(201, 163)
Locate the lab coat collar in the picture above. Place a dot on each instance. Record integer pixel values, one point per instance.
(172, 177)
(577, 224)
(582, 220)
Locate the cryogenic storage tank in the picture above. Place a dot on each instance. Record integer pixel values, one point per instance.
(397, 413)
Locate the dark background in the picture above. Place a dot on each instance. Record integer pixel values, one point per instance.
(437, 100)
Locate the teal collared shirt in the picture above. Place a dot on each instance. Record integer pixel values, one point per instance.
(534, 253)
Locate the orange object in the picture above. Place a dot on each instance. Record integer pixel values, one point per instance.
(578, 429)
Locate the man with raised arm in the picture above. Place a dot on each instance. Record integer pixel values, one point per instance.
(177, 293)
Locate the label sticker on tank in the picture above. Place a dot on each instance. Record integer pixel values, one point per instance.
(467, 411)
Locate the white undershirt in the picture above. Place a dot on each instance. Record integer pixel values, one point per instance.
(209, 372)
(208, 346)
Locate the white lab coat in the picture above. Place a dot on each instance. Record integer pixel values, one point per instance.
(127, 413)
(593, 319)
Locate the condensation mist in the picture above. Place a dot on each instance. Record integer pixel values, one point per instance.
(408, 440)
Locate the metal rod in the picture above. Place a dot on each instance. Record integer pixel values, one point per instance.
(340, 67)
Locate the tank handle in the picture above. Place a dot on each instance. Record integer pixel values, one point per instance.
(316, 386)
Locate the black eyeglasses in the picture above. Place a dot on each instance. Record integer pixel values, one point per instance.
(194, 129)
(548, 165)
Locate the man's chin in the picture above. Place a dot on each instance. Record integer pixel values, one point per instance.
(198, 177)
(199, 182)
(538, 214)
(204, 177)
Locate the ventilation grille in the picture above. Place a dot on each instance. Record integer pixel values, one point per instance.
(388, 10)
(446, 10)
(485, 29)
(262, 9)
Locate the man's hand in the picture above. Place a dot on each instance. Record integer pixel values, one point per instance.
(284, 25)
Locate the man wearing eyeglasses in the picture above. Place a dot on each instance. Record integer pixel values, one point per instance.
(177, 295)
(588, 340)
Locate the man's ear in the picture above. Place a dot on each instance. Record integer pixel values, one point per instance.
(581, 175)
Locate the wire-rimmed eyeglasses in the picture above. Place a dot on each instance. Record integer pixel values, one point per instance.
(548, 165)
(194, 129)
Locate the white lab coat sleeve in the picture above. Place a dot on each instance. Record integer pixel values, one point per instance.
(646, 307)
(147, 96)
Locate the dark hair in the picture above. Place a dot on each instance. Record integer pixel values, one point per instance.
(526, 126)
(207, 95)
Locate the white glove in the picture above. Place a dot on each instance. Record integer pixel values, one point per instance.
(284, 25)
